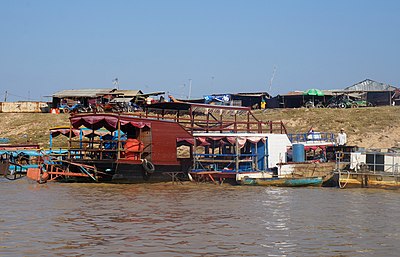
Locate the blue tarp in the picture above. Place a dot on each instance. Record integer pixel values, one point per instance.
(220, 98)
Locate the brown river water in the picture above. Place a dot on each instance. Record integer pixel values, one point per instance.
(56, 219)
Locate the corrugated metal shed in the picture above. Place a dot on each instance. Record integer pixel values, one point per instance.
(83, 92)
(370, 85)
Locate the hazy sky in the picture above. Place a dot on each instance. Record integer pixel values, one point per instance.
(222, 46)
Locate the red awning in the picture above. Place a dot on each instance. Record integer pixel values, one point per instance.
(240, 140)
(96, 122)
(315, 147)
(137, 124)
(63, 131)
(188, 141)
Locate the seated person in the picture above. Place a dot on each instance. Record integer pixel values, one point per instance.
(320, 156)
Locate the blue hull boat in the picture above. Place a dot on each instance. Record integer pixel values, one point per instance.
(283, 181)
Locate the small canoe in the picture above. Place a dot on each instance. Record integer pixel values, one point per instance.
(283, 182)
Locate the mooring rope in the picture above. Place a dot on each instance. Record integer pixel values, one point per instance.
(347, 179)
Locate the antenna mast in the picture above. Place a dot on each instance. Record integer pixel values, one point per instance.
(272, 79)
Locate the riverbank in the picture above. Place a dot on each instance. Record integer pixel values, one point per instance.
(375, 127)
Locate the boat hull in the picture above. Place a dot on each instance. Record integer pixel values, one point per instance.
(135, 173)
(309, 170)
(284, 182)
(123, 172)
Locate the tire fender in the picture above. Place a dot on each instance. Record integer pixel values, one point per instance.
(148, 166)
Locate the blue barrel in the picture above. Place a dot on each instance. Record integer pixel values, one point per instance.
(298, 153)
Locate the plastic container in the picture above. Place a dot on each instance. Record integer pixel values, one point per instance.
(298, 153)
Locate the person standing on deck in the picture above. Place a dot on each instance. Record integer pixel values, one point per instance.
(341, 138)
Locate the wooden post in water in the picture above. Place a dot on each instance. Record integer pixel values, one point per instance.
(119, 138)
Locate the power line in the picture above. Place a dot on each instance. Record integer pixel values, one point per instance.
(22, 97)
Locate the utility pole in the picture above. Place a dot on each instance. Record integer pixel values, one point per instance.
(116, 83)
(190, 88)
(5, 97)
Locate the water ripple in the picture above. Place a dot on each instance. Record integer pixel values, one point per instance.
(195, 220)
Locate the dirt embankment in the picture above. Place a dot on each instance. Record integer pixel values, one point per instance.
(372, 127)
(376, 127)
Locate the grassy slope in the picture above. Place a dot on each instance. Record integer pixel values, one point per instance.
(366, 127)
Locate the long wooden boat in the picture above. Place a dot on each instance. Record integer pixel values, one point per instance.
(284, 181)
(145, 147)
(324, 170)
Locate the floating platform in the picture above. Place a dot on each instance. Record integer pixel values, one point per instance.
(347, 179)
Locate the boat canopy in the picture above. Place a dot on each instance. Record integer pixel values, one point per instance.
(110, 122)
(76, 132)
(22, 152)
(55, 132)
(232, 140)
(219, 139)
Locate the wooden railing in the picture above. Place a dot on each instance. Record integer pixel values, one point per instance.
(228, 123)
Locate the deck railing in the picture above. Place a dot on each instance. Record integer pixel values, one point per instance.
(224, 162)
(103, 150)
(223, 121)
(312, 137)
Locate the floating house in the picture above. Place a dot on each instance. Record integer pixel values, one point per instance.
(152, 149)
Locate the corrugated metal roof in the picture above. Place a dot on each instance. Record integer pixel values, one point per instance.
(83, 92)
(254, 94)
(121, 100)
(249, 94)
(293, 93)
(301, 93)
(370, 85)
(127, 92)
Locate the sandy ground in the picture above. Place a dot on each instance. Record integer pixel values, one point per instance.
(375, 127)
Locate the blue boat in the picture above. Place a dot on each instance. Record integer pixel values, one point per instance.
(283, 181)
